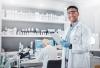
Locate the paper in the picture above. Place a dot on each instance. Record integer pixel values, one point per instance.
(57, 38)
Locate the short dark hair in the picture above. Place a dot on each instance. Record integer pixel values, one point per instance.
(72, 7)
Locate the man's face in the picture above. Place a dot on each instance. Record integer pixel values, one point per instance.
(72, 15)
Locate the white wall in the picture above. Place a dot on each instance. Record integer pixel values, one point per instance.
(97, 19)
(0, 23)
(87, 17)
(90, 14)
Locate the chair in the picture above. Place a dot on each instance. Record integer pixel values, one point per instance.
(54, 64)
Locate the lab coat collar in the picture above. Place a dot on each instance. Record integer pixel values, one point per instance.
(74, 24)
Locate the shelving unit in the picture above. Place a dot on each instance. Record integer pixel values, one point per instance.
(33, 14)
(31, 20)
(95, 50)
(20, 18)
(42, 36)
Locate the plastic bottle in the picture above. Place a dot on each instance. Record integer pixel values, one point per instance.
(20, 47)
(31, 46)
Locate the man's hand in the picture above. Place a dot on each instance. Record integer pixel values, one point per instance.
(65, 43)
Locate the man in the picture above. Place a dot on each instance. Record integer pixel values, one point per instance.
(49, 52)
(78, 36)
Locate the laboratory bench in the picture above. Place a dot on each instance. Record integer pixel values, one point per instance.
(33, 62)
(15, 61)
(95, 58)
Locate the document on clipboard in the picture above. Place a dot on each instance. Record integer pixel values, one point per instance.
(57, 38)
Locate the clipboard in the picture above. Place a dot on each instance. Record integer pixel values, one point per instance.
(57, 38)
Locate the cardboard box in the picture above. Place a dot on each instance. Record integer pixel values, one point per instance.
(97, 66)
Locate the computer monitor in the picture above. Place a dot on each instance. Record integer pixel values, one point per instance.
(51, 42)
(38, 43)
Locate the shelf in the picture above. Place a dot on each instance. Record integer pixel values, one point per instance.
(31, 20)
(95, 50)
(26, 36)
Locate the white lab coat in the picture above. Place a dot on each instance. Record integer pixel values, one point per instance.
(47, 53)
(79, 56)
